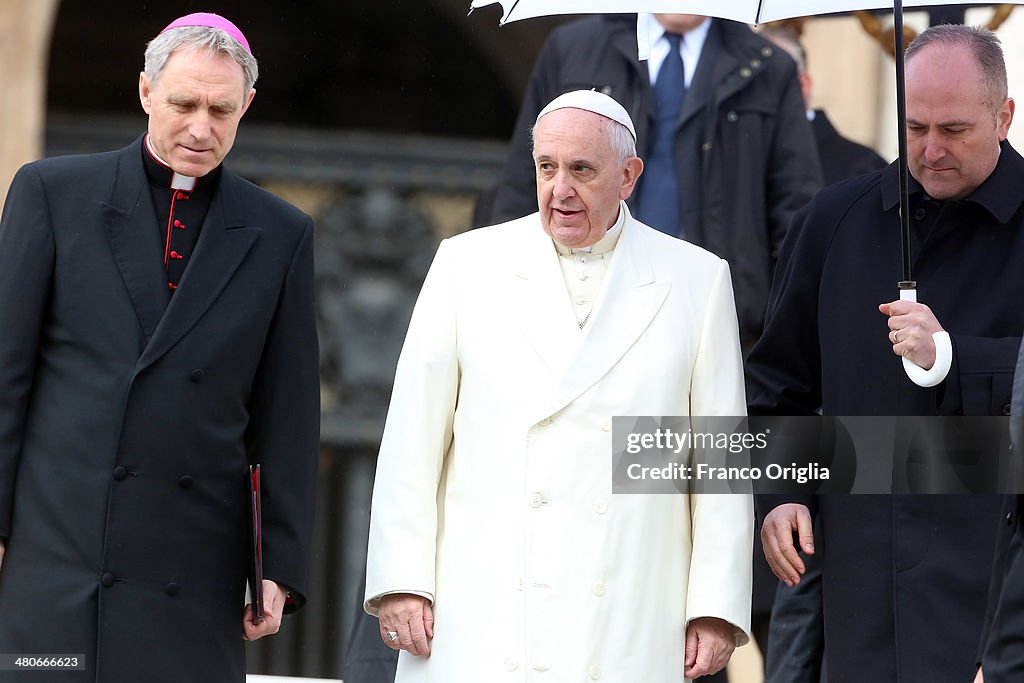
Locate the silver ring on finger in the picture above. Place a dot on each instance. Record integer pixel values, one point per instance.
(895, 336)
(392, 636)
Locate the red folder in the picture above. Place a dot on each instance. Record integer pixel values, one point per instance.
(256, 558)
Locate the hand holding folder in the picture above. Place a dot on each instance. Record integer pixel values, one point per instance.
(263, 615)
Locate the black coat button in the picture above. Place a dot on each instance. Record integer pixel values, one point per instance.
(171, 589)
(920, 214)
(1006, 409)
(196, 375)
(120, 472)
(1009, 519)
(107, 580)
(185, 482)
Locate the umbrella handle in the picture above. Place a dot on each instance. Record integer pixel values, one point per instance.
(943, 354)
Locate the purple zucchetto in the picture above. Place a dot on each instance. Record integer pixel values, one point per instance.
(212, 21)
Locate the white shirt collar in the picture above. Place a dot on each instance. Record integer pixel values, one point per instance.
(178, 181)
(690, 48)
(603, 245)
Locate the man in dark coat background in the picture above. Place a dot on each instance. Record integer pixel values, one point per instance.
(905, 577)
(840, 157)
(158, 336)
(742, 155)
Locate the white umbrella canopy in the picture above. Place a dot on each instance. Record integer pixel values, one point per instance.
(745, 11)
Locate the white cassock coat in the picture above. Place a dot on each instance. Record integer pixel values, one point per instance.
(493, 490)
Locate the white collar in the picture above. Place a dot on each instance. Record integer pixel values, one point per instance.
(178, 181)
(690, 49)
(603, 245)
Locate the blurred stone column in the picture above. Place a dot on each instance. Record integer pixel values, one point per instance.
(26, 27)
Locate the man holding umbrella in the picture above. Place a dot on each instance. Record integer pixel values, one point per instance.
(905, 577)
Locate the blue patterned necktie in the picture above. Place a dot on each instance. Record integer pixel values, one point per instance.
(658, 203)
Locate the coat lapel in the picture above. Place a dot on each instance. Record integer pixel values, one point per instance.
(542, 303)
(222, 246)
(630, 298)
(134, 239)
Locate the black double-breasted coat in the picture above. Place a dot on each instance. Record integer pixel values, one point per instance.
(905, 577)
(128, 418)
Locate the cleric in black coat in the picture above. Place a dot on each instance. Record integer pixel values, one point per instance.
(140, 378)
(904, 576)
(745, 157)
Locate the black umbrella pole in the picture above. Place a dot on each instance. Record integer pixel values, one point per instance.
(901, 131)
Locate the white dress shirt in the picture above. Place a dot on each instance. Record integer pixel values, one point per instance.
(689, 48)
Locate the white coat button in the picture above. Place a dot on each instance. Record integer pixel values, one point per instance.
(511, 664)
(595, 672)
(600, 506)
(580, 301)
(598, 588)
(606, 427)
(536, 500)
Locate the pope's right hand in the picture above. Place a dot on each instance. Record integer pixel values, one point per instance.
(412, 618)
(777, 539)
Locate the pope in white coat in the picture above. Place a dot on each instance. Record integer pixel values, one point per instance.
(497, 550)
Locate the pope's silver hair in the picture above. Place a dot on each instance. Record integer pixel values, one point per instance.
(622, 140)
(619, 137)
(212, 40)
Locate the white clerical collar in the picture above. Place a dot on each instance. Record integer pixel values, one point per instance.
(178, 181)
(603, 245)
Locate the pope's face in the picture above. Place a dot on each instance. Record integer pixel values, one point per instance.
(953, 127)
(194, 107)
(580, 178)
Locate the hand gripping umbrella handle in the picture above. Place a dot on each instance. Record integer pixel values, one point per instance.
(943, 354)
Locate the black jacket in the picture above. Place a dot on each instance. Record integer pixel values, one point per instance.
(841, 158)
(127, 422)
(743, 135)
(905, 577)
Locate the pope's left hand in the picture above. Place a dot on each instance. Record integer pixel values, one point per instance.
(274, 598)
(911, 326)
(709, 645)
